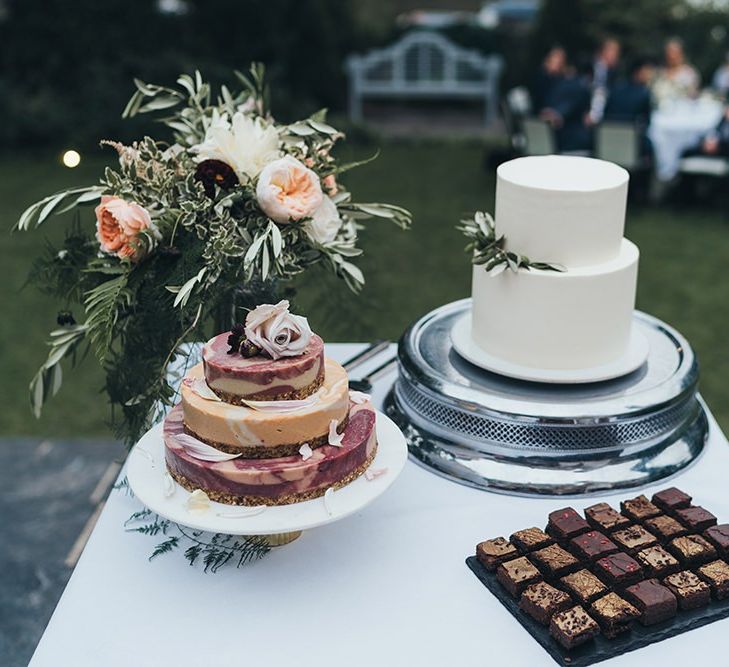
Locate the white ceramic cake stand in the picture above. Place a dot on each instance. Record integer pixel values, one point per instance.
(281, 523)
(633, 359)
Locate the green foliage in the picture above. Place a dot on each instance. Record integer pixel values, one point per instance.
(488, 250)
(200, 246)
(213, 551)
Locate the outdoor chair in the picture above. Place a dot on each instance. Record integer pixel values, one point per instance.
(704, 165)
(621, 143)
(539, 137)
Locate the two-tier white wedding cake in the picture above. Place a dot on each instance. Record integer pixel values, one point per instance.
(569, 212)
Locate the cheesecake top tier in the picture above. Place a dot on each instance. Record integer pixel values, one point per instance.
(562, 210)
(235, 378)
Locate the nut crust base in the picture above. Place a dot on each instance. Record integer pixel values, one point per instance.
(288, 499)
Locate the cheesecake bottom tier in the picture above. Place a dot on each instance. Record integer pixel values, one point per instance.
(275, 481)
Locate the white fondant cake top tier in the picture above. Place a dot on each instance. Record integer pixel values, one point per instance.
(561, 209)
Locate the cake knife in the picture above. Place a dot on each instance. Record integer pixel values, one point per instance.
(366, 354)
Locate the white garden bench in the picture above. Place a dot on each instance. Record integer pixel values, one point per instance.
(423, 65)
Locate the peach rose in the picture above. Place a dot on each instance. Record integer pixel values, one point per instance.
(288, 190)
(117, 225)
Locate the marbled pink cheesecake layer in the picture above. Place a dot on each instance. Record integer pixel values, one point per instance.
(280, 480)
(262, 378)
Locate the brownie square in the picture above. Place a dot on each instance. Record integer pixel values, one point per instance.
(716, 574)
(657, 562)
(618, 570)
(695, 518)
(530, 539)
(692, 550)
(719, 537)
(565, 524)
(592, 546)
(665, 527)
(671, 499)
(542, 601)
(639, 508)
(653, 600)
(690, 591)
(492, 552)
(603, 517)
(515, 575)
(584, 586)
(573, 627)
(554, 562)
(613, 614)
(634, 539)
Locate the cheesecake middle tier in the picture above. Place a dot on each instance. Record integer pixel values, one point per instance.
(236, 378)
(265, 431)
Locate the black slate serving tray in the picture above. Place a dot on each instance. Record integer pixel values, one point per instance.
(600, 648)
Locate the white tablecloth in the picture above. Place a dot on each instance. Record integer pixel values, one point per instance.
(680, 126)
(387, 586)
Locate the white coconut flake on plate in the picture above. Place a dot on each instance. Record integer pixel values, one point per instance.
(242, 513)
(198, 502)
(168, 485)
(374, 473)
(305, 451)
(202, 451)
(143, 452)
(328, 496)
(335, 439)
(358, 397)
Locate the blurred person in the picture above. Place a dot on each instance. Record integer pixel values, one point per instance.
(677, 79)
(567, 108)
(631, 101)
(720, 82)
(604, 70)
(716, 142)
(549, 75)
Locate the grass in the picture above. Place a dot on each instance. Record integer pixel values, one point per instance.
(684, 260)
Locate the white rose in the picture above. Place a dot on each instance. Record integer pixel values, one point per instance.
(288, 190)
(325, 223)
(247, 144)
(276, 331)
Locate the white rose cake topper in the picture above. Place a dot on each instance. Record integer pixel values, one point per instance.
(276, 331)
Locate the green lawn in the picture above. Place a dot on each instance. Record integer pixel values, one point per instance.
(684, 260)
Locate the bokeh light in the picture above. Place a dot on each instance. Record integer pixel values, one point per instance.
(71, 159)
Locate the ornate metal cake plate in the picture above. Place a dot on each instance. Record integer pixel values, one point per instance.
(281, 523)
(632, 360)
(528, 438)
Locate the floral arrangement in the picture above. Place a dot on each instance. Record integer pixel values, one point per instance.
(235, 202)
(488, 249)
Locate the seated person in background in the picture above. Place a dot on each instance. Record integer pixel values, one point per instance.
(550, 73)
(567, 108)
(630, 101)
(604, 71)
(716, 142)
(720, 82)
(676, 79)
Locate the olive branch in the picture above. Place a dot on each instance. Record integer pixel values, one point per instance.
(488, 249)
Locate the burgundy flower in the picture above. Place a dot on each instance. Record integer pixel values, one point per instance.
(215, 172)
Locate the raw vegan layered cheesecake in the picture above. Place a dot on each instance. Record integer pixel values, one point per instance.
(266, 419)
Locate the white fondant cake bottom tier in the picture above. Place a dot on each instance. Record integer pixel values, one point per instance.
(579, 318)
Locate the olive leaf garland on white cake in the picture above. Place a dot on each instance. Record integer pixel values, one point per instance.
(572, 309)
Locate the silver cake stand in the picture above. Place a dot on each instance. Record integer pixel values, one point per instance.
(526, 438)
